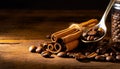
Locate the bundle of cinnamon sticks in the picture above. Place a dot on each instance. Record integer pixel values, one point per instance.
(69, 38)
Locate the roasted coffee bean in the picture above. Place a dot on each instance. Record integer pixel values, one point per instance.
(106, 54)
(118, 57)
(70, 55)
(109, 58)
(97, 57)
(115, 26)
(98, 51)
(62, 54)
(100, 58)
(117, 53)
(92, 55)
(79, 56)
(84, 34)
(32, 48)
(92, 33)
(44, 45)
(87, 53)
(112, 54)
(89, 38)
(46, 54)
(48, 36)
(39, 49)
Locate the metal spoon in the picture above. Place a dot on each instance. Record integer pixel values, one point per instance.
(101, 24)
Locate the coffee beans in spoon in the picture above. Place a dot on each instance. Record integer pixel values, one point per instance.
(93, 34)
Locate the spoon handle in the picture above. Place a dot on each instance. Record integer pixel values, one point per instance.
(107, 10)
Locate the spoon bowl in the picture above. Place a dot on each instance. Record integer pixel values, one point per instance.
(101, 24)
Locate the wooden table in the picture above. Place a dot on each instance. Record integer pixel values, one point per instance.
(23, 28)
(14, 54)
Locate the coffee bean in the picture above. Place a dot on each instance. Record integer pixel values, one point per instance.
(118, 57)
(100, 58)
(97, 57)
(92, 32)
(84, 34)
(109, 58)
(117, 53)
(32, 48)
(48, 36)
(70, 55)
(87, 53)
(79, 56)
(46, 54)
(90, 38)
(62, 54)
(112, 54)
(39, 49)
(106, 54)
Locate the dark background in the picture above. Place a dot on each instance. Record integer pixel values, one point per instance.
(54, 4)
(34, 19)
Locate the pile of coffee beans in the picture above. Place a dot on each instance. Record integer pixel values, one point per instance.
(93, 34)
(41, 50)
(103, 50)
(116, 27)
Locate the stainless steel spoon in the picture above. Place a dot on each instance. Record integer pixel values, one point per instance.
(101, 24)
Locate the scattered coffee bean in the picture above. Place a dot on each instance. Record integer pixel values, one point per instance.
(92, 55)
(106, 54)
(117, 53)
(109, 58)
(100, 58)
(118, 57)
(39, 49)
(48, 36)
(70, 55)
(87, 53)
(62, 54)
(32, 48)
(112, 54)
(46, 54)
(79, 56)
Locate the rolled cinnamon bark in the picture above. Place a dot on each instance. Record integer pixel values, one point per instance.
(72, 29)
(57, 47)
(91, 21)
(50, 47)
(57, 35)
(54, 48)
(72, 45)
(71, 37)
(84, 24)
(75, 35)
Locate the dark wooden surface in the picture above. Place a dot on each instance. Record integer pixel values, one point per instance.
(36, 24)
(22, 28)
(15, 55)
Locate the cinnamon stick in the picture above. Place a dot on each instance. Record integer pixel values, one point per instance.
(75, 35)
(71, 37)
(86, 23)
(72, 45)
(72, 29)
(57, 35)
(54, 48)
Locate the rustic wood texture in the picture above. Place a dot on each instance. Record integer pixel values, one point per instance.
(22, 28)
